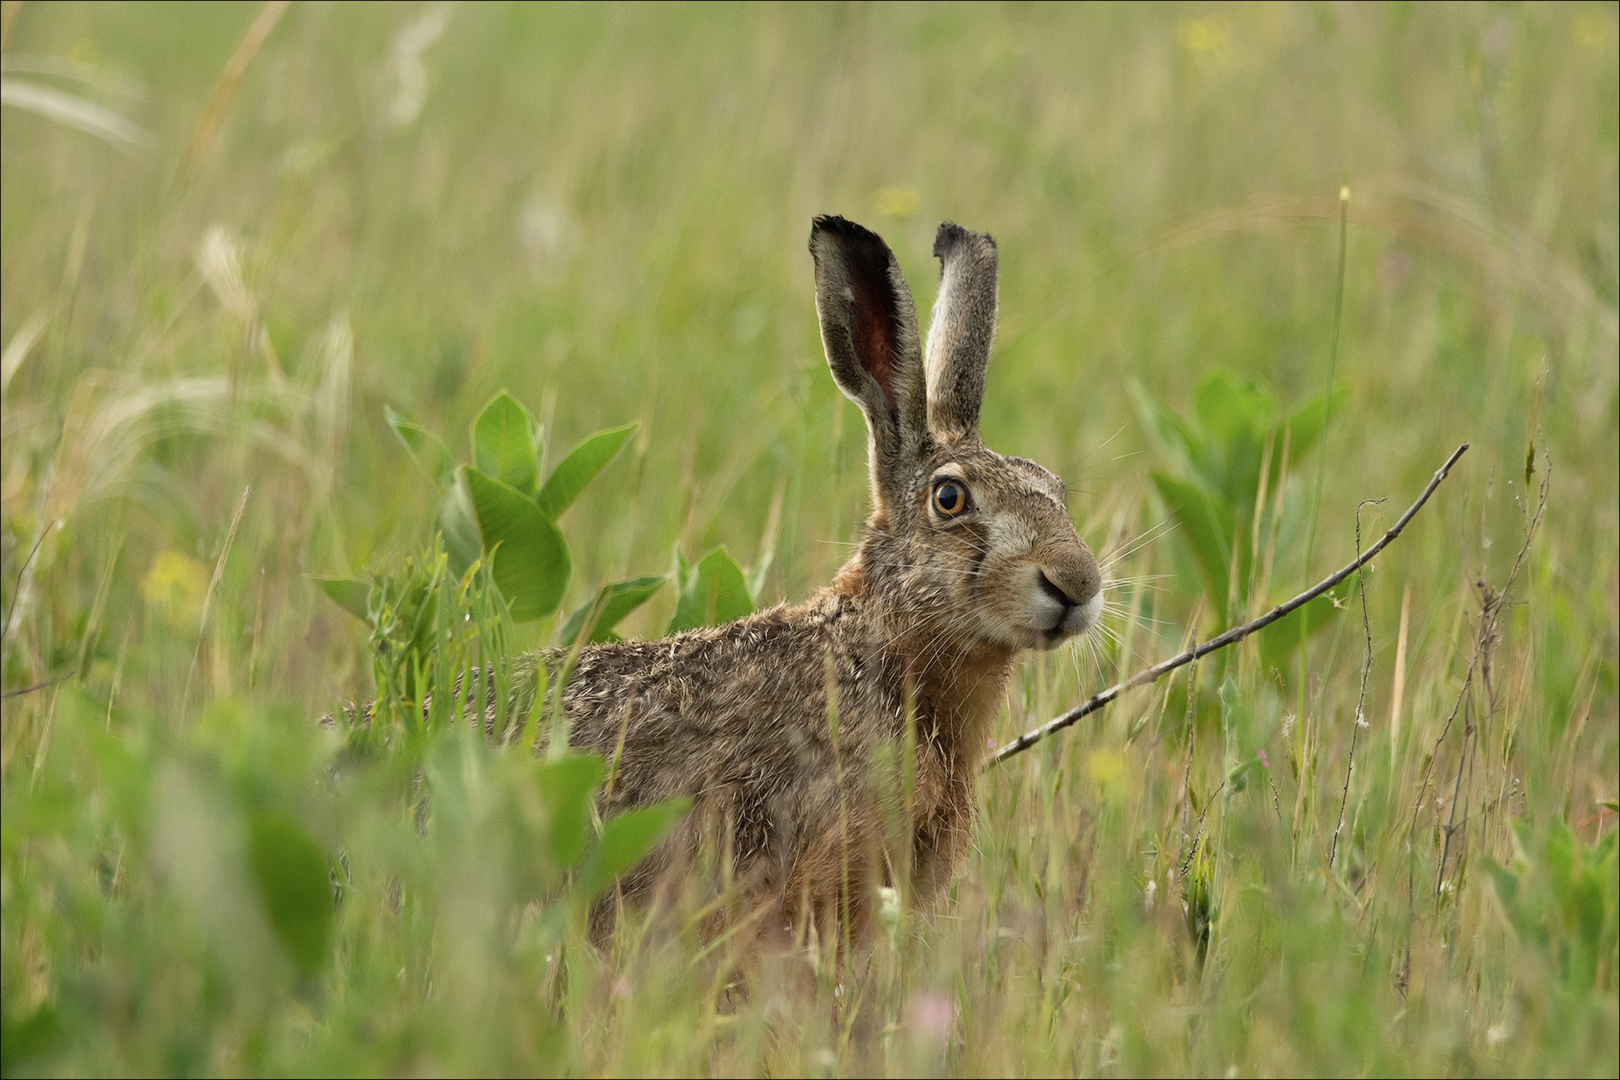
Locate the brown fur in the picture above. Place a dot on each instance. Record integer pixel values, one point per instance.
(788, 728)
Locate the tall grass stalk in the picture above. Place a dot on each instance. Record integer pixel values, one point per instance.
(1322, 449)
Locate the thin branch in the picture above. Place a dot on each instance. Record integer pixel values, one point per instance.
(47, 684)
(1361, 702)
(1487, 637)
(1236, 634)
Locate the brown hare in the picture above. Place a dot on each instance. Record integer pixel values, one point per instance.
(789, 729)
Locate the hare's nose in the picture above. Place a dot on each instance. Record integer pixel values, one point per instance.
(1052, 589)
(1073, 582)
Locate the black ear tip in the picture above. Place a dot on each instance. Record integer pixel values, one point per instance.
(850, 236)
(951, 235)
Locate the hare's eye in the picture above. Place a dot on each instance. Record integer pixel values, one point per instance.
(950, 499)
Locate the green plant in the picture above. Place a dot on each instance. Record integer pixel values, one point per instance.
(1232, 487)
(496, 510)
(497, 506)
(1562, 898)
(352, 875)
(714, 591)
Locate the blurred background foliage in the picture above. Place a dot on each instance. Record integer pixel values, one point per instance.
(233, 236)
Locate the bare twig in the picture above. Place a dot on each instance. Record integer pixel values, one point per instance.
(1192, 745)
(1487, 637)
(1361, 701)
(1236, 634)
(1483, 636)
(47, 684)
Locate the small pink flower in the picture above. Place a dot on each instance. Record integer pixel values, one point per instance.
(931, 1014)
(1263, 759)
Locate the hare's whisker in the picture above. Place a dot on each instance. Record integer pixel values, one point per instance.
(1128, 618)
(1136, 579)
(1100, 446)
(1096, 658)
(1134, 545)
(1153, 532)
(1140, 542)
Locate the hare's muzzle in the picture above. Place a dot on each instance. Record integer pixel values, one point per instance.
(1068, 598)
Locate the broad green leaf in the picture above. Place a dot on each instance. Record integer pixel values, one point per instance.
(426, 449)
(1171, 437)
(612, 603)
(580, 467)
(1305, 424)
(626, 840)
(1281, 638)
(294, 884)
(566, 785)
(1233, 416)
(1229, 408)
(530, 560)
(458, 521)
(715, 592)
(350, 595)
(504, 446)
(1206, 526)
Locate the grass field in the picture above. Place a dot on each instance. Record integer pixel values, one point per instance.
(230, 236)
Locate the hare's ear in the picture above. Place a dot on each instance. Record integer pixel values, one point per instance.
(869, 329)
(959, 336)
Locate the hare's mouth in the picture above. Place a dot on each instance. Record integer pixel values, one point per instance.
(1068, 619)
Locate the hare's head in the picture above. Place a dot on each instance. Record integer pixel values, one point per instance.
(964, 544)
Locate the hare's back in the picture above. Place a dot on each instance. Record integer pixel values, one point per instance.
(738, 711)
